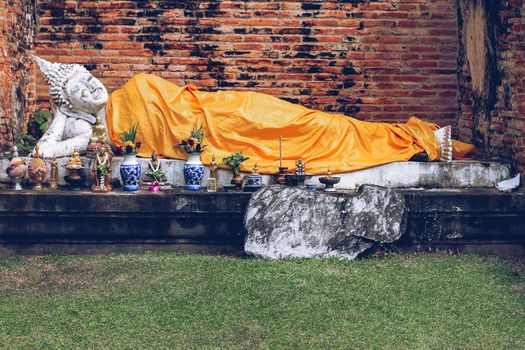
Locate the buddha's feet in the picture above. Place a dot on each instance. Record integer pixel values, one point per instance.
(444, 136)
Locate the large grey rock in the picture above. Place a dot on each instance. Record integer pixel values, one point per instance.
(286, 222)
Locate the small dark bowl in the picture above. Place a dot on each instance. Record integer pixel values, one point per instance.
(248, 188)
(296, 180)
(329, 180)
(229, 188)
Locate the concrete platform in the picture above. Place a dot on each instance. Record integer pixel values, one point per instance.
(458, 174)
(479, 220)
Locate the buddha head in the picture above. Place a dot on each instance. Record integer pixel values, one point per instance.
(74, 86)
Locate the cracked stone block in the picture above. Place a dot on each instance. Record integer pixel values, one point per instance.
(286, 222)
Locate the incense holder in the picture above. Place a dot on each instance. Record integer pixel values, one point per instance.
(329, 182)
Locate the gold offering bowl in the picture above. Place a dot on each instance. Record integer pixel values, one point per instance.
(74, 171)
(75, 178)
(37, 172)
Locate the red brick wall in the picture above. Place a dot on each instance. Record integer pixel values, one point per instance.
(378, 60)
(17, 83)
(492, 112)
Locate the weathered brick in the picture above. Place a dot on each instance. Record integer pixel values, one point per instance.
(493, 117)
(17, 83)
(378, 60)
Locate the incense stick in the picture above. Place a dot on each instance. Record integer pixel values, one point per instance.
(280, 151)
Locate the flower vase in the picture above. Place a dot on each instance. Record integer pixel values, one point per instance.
(130, 170)
(237, 181)
(193, 171)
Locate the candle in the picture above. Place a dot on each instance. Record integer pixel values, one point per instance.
(280, 151)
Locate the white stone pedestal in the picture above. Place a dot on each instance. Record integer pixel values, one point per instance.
(458, 174)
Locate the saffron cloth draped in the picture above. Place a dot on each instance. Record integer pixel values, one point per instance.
(253, 122)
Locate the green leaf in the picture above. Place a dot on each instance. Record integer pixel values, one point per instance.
(129, 135)
(36, 126)
(234, 161)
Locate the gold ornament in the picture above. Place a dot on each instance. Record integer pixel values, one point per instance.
(53, 178)
(37, 170)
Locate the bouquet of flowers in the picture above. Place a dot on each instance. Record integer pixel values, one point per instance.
(194, 144)
(103, 169)
(158, 175)
(234, 161)
(129, 146)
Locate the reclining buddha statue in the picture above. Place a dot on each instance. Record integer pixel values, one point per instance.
(78, 97)
(248, 121)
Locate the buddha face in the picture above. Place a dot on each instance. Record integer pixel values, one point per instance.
(86, 93)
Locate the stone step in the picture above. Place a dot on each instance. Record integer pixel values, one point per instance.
(457, 174)
(171, 219)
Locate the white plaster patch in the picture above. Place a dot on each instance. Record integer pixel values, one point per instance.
(460, 174)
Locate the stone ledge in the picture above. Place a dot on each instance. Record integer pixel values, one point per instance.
(142, 203)
(454, 218)
(458, 174)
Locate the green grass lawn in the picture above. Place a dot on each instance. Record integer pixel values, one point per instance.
(167, 301)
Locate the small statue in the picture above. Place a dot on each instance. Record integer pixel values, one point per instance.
(101, 169)
(300, 170)
(214, 172)
(298, 177)
(53, 176)
(74, 161)
(255, 169)
(99, 136)
(155, 173)
(37, 170)
(99, 131)
(16, 170)
(74, 166)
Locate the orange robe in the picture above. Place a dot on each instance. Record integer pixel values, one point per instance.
(252, 122)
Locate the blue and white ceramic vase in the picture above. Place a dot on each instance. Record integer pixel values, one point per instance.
(193, 171)
(254, 180)
(130, 171)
